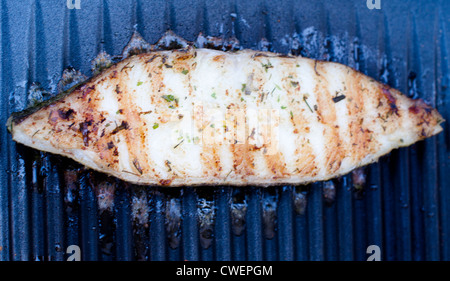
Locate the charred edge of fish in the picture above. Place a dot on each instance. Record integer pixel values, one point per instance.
(420, 105)
(391, 100)
(315, 67)
(17, 117)
(272, 55)
(165, 182)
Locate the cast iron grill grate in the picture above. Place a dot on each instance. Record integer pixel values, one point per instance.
(48, 203)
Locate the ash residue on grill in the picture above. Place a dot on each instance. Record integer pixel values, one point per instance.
(206, 214)
(173, 217)
(238, 209)
(269, 214)
(300, 197)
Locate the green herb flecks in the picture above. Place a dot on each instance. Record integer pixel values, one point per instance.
(243, 87)
(155, 126)
(185, 71)
(267, 65)
(305, 100)
(178, 144)
(168, 98)
(214, 95)
(122, 126)
(140, 83)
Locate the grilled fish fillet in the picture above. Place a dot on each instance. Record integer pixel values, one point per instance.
(206, 117)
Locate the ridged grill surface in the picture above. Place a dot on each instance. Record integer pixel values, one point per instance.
(48, 202)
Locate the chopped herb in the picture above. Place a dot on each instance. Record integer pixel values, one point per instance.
(243, 87)
(123, 126)
(262, 96)
(179, 143)
(212, 125)
(297, 65)
(338, 98)
(227, 175)
(139, 83)
(278, 87)
(283, 107)
(304, 99)
(167, 162)
(292, 114)
(267, 65)
(213, 95)
(185, 71)
(119, 111)
(168, 98)
(242, 99)
(273, 90)
(155, 126)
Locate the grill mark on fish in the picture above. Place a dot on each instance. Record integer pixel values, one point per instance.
(156, 90)
(359, 134)
(326, 111)
(276, 165)
(305, 162)
(242, 155)
(210, 161)
(135, 136)
(242, 160)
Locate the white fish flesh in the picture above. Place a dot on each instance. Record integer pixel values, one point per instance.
(206, 117)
